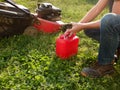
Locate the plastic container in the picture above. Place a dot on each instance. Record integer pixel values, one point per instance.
(66, 47)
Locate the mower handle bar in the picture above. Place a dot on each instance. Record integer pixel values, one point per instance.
(12, 3)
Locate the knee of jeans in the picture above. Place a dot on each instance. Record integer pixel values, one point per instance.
(108, 19)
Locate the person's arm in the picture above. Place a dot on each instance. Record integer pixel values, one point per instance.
(82, 26)
(85, 21)
(90, 25)
(116, 7)
(95, 11)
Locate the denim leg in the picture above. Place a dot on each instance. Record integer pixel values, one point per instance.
(109, 38)
(93, 33)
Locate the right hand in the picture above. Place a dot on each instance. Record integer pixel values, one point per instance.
(76, 27)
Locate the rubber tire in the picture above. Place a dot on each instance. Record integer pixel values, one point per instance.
(31, 31)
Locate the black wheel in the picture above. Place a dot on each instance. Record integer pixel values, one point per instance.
(31, 31)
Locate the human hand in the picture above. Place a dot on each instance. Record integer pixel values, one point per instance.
(76, 27)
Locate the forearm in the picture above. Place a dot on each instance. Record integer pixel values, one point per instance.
(90, 25)
(95, 11)
(82, 26)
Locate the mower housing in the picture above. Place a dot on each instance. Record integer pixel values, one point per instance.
(12, 20)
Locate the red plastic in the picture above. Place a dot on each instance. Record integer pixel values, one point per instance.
(47, 26)
(66, 47)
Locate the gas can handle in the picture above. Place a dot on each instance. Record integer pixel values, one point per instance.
(69, 36)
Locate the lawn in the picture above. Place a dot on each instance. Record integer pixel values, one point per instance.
(30, 63)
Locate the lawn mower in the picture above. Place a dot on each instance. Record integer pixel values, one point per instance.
(16, 19)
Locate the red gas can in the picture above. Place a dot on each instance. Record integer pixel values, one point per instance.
(66, 47)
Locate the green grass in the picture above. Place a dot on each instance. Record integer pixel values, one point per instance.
(30, 63)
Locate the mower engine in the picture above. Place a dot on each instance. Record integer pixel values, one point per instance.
(49, 12)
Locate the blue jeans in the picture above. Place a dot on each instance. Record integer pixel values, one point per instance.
(109, 38)
(93, 33)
